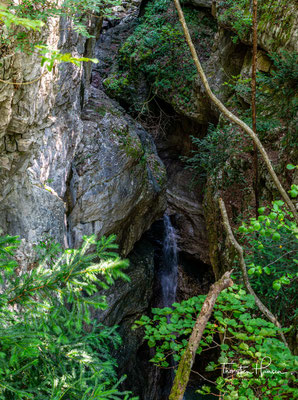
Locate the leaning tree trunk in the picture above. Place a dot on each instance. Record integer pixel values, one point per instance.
(188, 357)
(231, 116)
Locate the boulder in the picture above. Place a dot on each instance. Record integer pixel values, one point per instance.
(118, 181)
(50, 154)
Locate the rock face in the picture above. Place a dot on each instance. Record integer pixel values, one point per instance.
(118, 181)
(40, 129)
(201, 3)
(277, 23)
(101, 170)
(222, 58)
(185, 202)
(72, 162)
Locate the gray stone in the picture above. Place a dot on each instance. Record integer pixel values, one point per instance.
(118, 183)
(201, 3)
(38, 141)
(32, 211)
(277, 30)
(43, 140)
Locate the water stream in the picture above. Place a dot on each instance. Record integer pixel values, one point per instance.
(168, 280)
(169, 271)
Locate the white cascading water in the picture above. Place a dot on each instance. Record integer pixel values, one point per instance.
(170, 263)
(169, 272)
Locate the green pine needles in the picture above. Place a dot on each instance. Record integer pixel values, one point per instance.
(50, 347)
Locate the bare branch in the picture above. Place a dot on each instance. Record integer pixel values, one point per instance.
(239, 250)
(188, 357)
(230, 115)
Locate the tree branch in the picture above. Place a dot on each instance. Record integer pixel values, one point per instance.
(188, 357)
(230, 115)
(239, 250)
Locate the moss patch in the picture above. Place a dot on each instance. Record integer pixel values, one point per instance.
(274, 16)
(131, 145)
(157, 51)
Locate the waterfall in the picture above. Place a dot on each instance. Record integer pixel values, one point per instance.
(170, 264)
(168, 280)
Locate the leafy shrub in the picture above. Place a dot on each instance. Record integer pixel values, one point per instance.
(256, 364)
(158, 51)
(50, 347)
(216, 153)
(276, 97)
(280, 86)
(237, 15)
(272, 257)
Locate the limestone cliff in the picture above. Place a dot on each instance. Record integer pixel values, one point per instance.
(59, 157)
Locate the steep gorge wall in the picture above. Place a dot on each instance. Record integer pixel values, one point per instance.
(152, 72)
(58, 148)
(277, 34)
(43, 127)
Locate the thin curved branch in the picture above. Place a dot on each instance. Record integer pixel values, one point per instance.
(247, 284)
(23, 83)
(230, 115)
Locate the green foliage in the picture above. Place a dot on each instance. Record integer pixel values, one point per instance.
(272, 258)
(291, 167)
(50, 56)
(158, 51)
(237, 15)
(50, 346)
(77, 10)
(218, 153)
(276, 97)
(132, 146)
(256, 364)
(280, 86)
(9, 19)
(32, 15)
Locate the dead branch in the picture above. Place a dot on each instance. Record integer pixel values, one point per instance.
(188, 357)
(230, 115)
(240, 252)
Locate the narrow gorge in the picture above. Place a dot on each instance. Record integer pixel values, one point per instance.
(131, 145)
